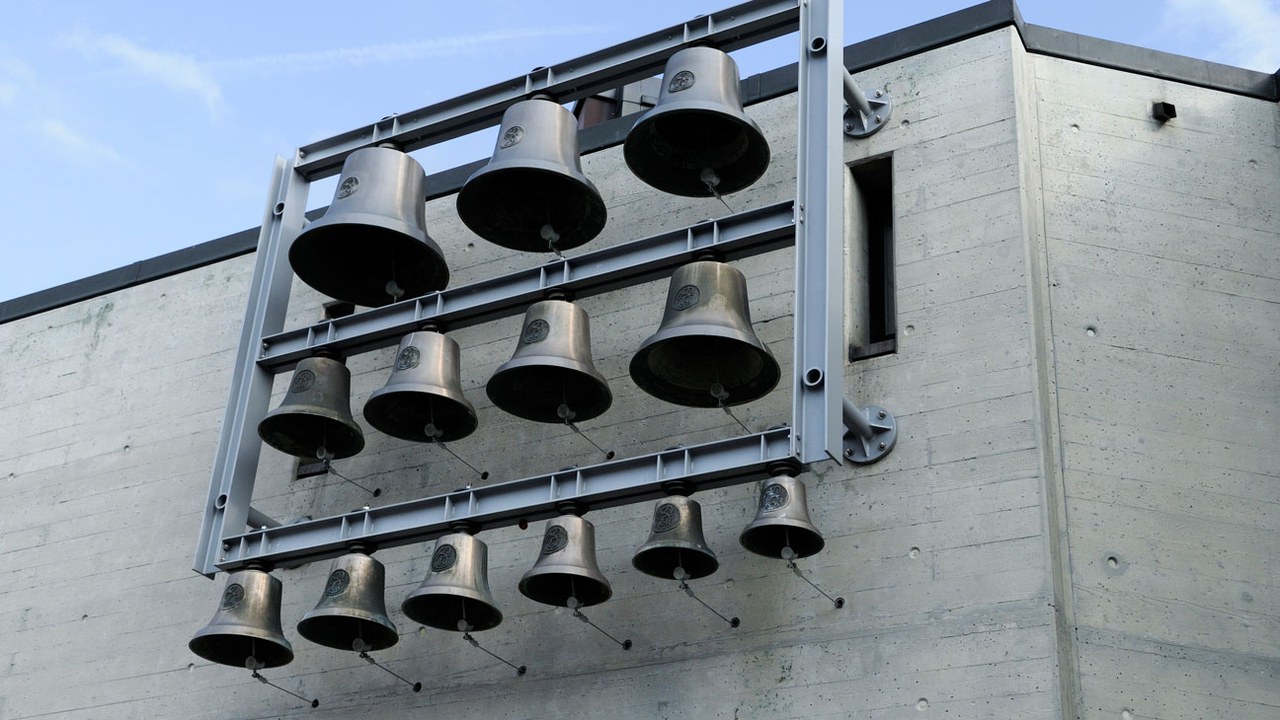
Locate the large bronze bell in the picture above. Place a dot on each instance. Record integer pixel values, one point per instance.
(697, 141)
(705, 353)
(352, 612)
(371, 247)
(676, 541)
(314, 419)
(566, 566)
(422, 400)
(782, 521)
(532, 195)
(455, 594)
(550, 378)
(245, 631)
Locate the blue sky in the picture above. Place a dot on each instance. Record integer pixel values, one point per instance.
(131, 129)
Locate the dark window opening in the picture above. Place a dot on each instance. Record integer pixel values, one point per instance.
(871, 263)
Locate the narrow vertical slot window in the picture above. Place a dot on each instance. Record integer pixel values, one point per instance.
(870, 324)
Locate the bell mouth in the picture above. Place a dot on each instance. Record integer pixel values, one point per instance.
(662, 562)
(304, 434)
(235, 646)
(509, 205)
(670, 148)
(368, 260)
(341, 630)
(674, 366)
(555, 588)
(534, 387)
(445, 608)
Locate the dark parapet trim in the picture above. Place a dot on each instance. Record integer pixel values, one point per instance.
(922, 37)
(1152, 63)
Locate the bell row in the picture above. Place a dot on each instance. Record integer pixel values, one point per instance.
(371, 247)
(351, 615)
(704, 354)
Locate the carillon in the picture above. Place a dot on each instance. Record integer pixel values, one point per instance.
(551, 378)
(352, 611)
(245, 630)
(455, 594)
(422, 400)
(705, 353)
(371, 246)
(314, 419)
(697, 141)
(533, 196)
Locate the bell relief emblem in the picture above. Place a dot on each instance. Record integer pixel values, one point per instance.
(302, 381)
(511, 136)
(774, 497)
(682, 80)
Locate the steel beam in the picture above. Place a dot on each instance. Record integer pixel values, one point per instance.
(819, 328)
(630, 480)
(736, 236)
(643, 57)
(236, 461)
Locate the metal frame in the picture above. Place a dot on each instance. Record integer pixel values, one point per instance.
(813, 224)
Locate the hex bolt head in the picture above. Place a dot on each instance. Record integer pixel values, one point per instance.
(882, 446)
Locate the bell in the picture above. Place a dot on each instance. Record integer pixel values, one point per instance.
(782, 521)
(455, 594)
(422, 400)
(705, 353)
(351, 614)
(245, 630)
(697, 141)
(566, 567)
(314, 419)
(532, 196)
(371, 247)
(550, 378)
(676, 542)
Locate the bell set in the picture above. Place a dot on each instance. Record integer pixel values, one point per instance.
(455, 595)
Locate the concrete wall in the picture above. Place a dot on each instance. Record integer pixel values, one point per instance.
(1086, 370)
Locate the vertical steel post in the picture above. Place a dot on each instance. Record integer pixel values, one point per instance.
(819, 327)
(231, 487)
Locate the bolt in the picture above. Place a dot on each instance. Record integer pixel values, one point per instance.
(882, 446)
(882, 414)
(848, 452)
(848, 127)
(878, 93)
(877, 119)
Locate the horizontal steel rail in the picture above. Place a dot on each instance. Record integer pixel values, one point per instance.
(737, 236)
(640, 58)
(700, 467)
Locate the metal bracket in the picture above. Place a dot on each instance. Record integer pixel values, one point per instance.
(870, 433)
(864, 116)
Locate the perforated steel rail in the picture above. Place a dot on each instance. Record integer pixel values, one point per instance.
(812, 225)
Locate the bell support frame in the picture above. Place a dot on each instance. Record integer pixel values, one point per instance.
(812, 224)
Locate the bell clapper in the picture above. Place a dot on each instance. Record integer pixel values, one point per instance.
(465, 627)
(552, 237)
(790, 556)
(327, 457)
(253, 664)
(567, 415)
(394, 290)
(576, 606)
(720, 394)
(681, 574)
(709, 177)
(360, 646)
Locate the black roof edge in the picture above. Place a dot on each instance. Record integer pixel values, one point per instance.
(863, 55)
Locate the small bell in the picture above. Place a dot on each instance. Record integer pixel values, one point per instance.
(352, 612)
(550, 378)
(455, 594)
(782, 522)
(371, 247)
(676, 542)
(705, 353)
(697, 141)
(533, 196)
(245, 630)
(422, 400)
(566, 574)
(314, 419)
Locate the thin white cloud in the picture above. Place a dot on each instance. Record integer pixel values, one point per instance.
(176, 71)
(75, 145)
(15, 75)
(1245, 33)
(394, 52)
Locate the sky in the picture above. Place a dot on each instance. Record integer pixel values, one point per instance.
(135, 128)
